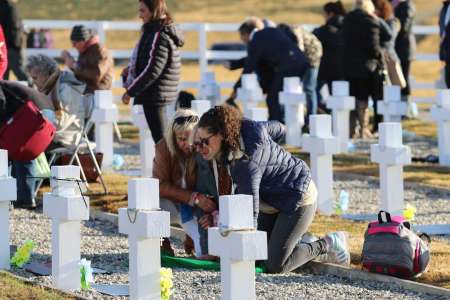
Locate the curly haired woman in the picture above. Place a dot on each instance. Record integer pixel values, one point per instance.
(283, 193)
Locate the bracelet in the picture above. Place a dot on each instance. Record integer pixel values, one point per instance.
(194, 199)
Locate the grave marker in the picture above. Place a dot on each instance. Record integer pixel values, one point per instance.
(392, 108)
(146, 143)
(250, 93)
(440, 113)
(200, 106)
(209, 89)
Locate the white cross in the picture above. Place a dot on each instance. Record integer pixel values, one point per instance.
(146, 143)
(440, 113)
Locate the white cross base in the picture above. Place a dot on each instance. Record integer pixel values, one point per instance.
(294, 103)
(146, 143)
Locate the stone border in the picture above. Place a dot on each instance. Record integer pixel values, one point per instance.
(44, 286)
(317, 267)
(340, 271)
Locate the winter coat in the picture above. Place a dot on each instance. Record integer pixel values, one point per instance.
(362, 45)
(70, 123)
(95, 67)
(154, 70)
(3, 54)
(271, 49)
(390, 27)
(331, 37)
(444, 30)
(405, 44)
(12, 24)
(14, 94)
(266, 170)
(167, 169)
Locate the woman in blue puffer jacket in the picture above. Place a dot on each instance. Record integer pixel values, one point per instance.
(283, 193)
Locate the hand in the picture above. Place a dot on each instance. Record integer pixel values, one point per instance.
(206, 204)
(206, 221)
(126, 98)
(125, 72)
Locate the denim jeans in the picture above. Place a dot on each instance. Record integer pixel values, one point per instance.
(25, 186)
(309, 87)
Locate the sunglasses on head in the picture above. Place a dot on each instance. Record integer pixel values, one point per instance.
(185, 120)
(203, 141)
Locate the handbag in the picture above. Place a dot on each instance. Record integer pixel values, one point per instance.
(26, 134)
(394, 70)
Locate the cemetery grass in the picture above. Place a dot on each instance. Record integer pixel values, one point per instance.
(359, 163)
(14, 288)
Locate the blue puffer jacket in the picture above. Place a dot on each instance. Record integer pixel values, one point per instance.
(267, 171)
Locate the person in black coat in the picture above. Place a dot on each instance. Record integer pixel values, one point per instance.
(363, 61)
(330, 35)
(270, 51)
(405, 43)
(444, 47)
(153, 75)
(284, 196)
(13, 30)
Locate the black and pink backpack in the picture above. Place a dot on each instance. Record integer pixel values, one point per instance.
(391, 247)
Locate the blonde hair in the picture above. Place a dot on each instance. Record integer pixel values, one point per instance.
(175, 127)
(365, 5)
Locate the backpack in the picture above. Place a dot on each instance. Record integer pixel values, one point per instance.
(392, 248)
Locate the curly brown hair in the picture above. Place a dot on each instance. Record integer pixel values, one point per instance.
(226, 121)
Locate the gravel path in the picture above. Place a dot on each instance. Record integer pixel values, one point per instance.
(108, 250)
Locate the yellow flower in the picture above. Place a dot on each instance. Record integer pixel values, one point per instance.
(166, 283)
(22, 255)
(409, 212)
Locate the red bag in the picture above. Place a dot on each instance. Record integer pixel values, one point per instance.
(27, 134)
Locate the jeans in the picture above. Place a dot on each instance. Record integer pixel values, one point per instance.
(284, 235)
(309, 87)
(156, 117)
(25, 186)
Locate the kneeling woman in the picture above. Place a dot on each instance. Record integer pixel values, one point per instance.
(284, 194)
(175, 167)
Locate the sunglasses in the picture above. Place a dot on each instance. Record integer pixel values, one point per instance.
(185, 120)
(203, 141)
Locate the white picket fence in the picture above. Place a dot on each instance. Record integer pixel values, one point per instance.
(203, 54)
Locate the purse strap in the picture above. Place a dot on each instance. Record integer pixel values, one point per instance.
(384, 217)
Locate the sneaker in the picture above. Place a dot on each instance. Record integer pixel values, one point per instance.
(338, 248)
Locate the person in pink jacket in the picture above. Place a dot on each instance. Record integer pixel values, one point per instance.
(3, 54)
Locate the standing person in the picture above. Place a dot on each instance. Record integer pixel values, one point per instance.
(405, 44)
(363, 61)
(13, 30)
(153, 75)
(94, 67)
(312, 48)
(3, 54)
(330, 35)
(284, 196)
(270, 51)
(444, 47)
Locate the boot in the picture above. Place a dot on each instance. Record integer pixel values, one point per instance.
(166, 248)
(363, 118)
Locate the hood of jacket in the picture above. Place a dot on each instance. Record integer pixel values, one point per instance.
(336, 21)
(171, 30)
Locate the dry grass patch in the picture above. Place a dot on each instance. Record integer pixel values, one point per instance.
(13, 288)
(421, 128)
(438, 274)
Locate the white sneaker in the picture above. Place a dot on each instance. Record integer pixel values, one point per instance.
(338, 248)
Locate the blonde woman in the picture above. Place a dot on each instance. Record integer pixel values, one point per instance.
(175, 168)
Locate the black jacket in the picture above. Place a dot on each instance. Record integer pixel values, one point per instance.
(271, 49)
(405, 44)
(331, 37)
(362, 45)
(12, 24)
(444, 31)
(158, 65)
(267, 171)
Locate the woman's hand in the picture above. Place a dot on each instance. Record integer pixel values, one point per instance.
(206, 221)
(125, 72)
(126, 98)
(206, 203)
